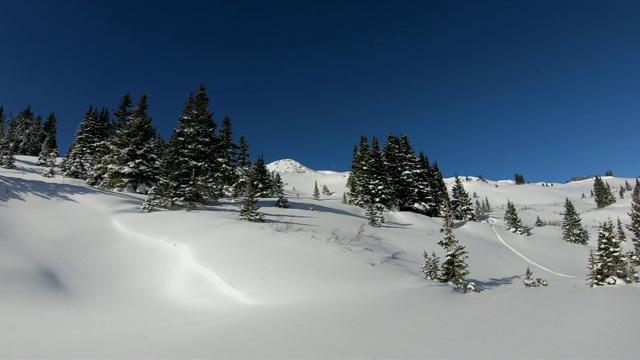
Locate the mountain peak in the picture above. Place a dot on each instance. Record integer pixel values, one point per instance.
(286, 166)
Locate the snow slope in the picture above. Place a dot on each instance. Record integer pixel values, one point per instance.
(84, 273)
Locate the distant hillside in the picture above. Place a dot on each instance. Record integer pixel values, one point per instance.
(288, 166)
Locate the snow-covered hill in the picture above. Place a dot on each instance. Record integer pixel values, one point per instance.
(84, 273)
(288, 166)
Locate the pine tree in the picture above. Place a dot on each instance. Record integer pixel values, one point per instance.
(249, 210)
(627, 186)
(513, 221)
(461, 207)
(519, 179)
(86, 148)
(622, 237)
(242, 167)
(572, 230)
(454, 267)
(49, 150)
(439, 192)
(487, 206)
(375, 215)
(316, 192)
(431, 266)
(376, 186)
(422, 186)
(226, 153)
(260, 178)
(344, 198)
(634, 226)
(609, 258)
(281, 200)
(539, 222)
(189, 169)
(326, 191)
(602, 193)
(7, 160)
(621, 192)
(357, 181)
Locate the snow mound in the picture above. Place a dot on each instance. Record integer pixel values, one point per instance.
(288, 166)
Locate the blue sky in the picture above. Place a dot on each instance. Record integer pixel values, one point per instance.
(547, 89)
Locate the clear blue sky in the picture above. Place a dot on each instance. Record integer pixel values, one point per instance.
(548, 89)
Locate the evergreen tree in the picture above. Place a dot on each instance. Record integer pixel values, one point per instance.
(393, 169)
(376, 186)
(226, 153)
(87, 146)
(260, 178)
(409, 181)
(316, 192)
(513, 221)
(357, 181)
(24, 133)
(621, 192)
(344, 198)
(602, 193)
(634, 226)
(539, 222)
(375, 215)
(326, 191)
(627, 186)
(439, 192)
(572, 230)
(610, 262)
(135, 150)
(461, 207)
(4, 143)
(189, 169)
(622, 237)
(249, 210)
(454, 266)
(281, 200)
(422, 186)
(242, 163)
(49, 151)
(519, 179)
(431, 266)
(487, 206)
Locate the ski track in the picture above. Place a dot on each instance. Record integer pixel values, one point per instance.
(493, 222)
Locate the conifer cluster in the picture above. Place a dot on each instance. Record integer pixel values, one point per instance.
(393, 177)
(602, 193)
(608, 264)
(572, 230)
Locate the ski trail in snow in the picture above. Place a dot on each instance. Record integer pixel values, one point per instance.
(190, 264)
(493, 222)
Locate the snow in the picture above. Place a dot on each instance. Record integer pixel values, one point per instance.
(85, 273)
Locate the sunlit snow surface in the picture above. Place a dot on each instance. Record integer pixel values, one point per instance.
(84, 273)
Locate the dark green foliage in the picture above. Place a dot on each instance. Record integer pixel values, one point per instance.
(88, 145)
(189, 170)
(572, 230)
(529, 281)
(514, 224)
(519, 179)
(454, 266)
(260, 178)
(461, 207)
(24, 135)
(602, 192)
(608, 262)
(278, 186)
(608, 173)
(431, 266)
(49, 151)
(226, 151)
(620, 231)
(375, 215)
(539, 222)
(249, 210)
(242, 167)
(627, 186)
(634, 226)
(316, 192)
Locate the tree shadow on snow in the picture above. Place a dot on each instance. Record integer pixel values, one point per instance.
(493, 282)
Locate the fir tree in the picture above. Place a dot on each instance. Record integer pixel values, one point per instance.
(49, 150)
(431, 266)
(439, 192)
(487, 206)
(627, 186)
(376, 186)
(572, 230)
(87, 146)
(610, 262)
(422, 185)
(539, 222)
(344, 198)
(249, 210)
(357, 181)
(602, 193)
(460, 202)
(621, 192)
(281, 200)
(622, 237)
(226, 153)
(513, 221)
(634, 226)
(519, 179)
(454, 267)
(316, 192)
(260, 178)
(242, 167)
(374, 215)
(325, 191)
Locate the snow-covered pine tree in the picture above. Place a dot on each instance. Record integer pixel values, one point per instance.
(49, 150)
(609, 258)
(135, 150)
(439, 192)
(539, 222)
(392, 161)
(375, 215)
(357, 175)
(326, 191)
(602, 193)
(226, 153)
(422, 186)
(376, 185)
(406, 185)
(627, 186)
(529, 281)
(188, 166)
(634, 226)
(620, 231)
(260, 178)
(281, 200)
(316, 192)
(513, 220)
(242, 167)
(621, 192)
(86, 148)
(454, 266)
(24, 133)
(461, 207)
(572, 230)
(7, 160)
(249, 210)
(431, 265)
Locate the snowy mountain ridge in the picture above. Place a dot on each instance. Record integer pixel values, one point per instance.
(288, 166)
